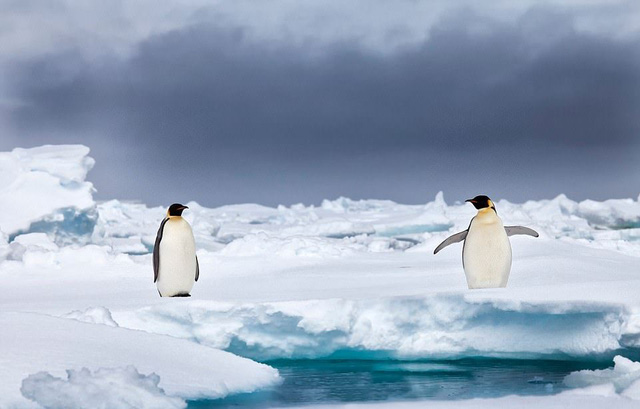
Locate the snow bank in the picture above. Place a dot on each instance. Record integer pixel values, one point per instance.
(39, 343)
(106, 388)
(44, 189)
(403, 327)
(624, 376)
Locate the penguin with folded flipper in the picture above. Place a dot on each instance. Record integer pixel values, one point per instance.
(175, 264)
(486, 253)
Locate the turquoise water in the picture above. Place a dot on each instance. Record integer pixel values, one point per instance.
(334, 381)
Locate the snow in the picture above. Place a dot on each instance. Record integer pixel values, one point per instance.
(294, 281)
(106, 388)
(44, 184)
(95, 315)
(34, 343)
(587, 399)
(624, 377)
(446, 326)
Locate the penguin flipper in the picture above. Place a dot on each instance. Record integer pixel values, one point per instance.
(156, 251)
(197, 269)
(513, 230)
(450, 240)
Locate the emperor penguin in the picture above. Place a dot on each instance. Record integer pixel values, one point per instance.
(175, 264)
(486, 253)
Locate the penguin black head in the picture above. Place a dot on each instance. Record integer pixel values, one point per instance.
(176, 209)
(481, 202)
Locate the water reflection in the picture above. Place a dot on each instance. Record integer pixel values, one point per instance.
(333, 381)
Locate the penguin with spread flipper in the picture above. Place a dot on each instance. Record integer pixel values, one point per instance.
(486, 253)
(175, 264)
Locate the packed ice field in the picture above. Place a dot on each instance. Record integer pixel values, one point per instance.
(83, 325)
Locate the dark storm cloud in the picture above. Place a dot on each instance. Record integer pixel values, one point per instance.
(279, 123)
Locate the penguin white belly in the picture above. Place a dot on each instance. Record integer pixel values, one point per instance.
(177, 270)
(486, 256)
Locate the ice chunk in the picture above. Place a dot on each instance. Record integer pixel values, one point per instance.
(69, 163)
(40, 182)
(105, 388)
(68, 225)
(39, 241)
(624, 375)
(614, 213)
(32, 242)
(93, 315)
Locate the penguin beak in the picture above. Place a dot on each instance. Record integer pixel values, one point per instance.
(183, 207)
(470, 200)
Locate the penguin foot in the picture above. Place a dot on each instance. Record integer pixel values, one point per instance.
(182, 295)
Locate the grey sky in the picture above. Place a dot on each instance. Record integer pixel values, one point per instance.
(283, 102)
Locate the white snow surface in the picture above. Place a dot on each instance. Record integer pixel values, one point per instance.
(297, 281)
(34, 343)
(106, 388)
(624, 377)
(588, 398)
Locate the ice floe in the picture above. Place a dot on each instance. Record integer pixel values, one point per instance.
(309, 281)
(34, 343)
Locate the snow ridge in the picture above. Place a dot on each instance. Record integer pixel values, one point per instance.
(442, 326)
